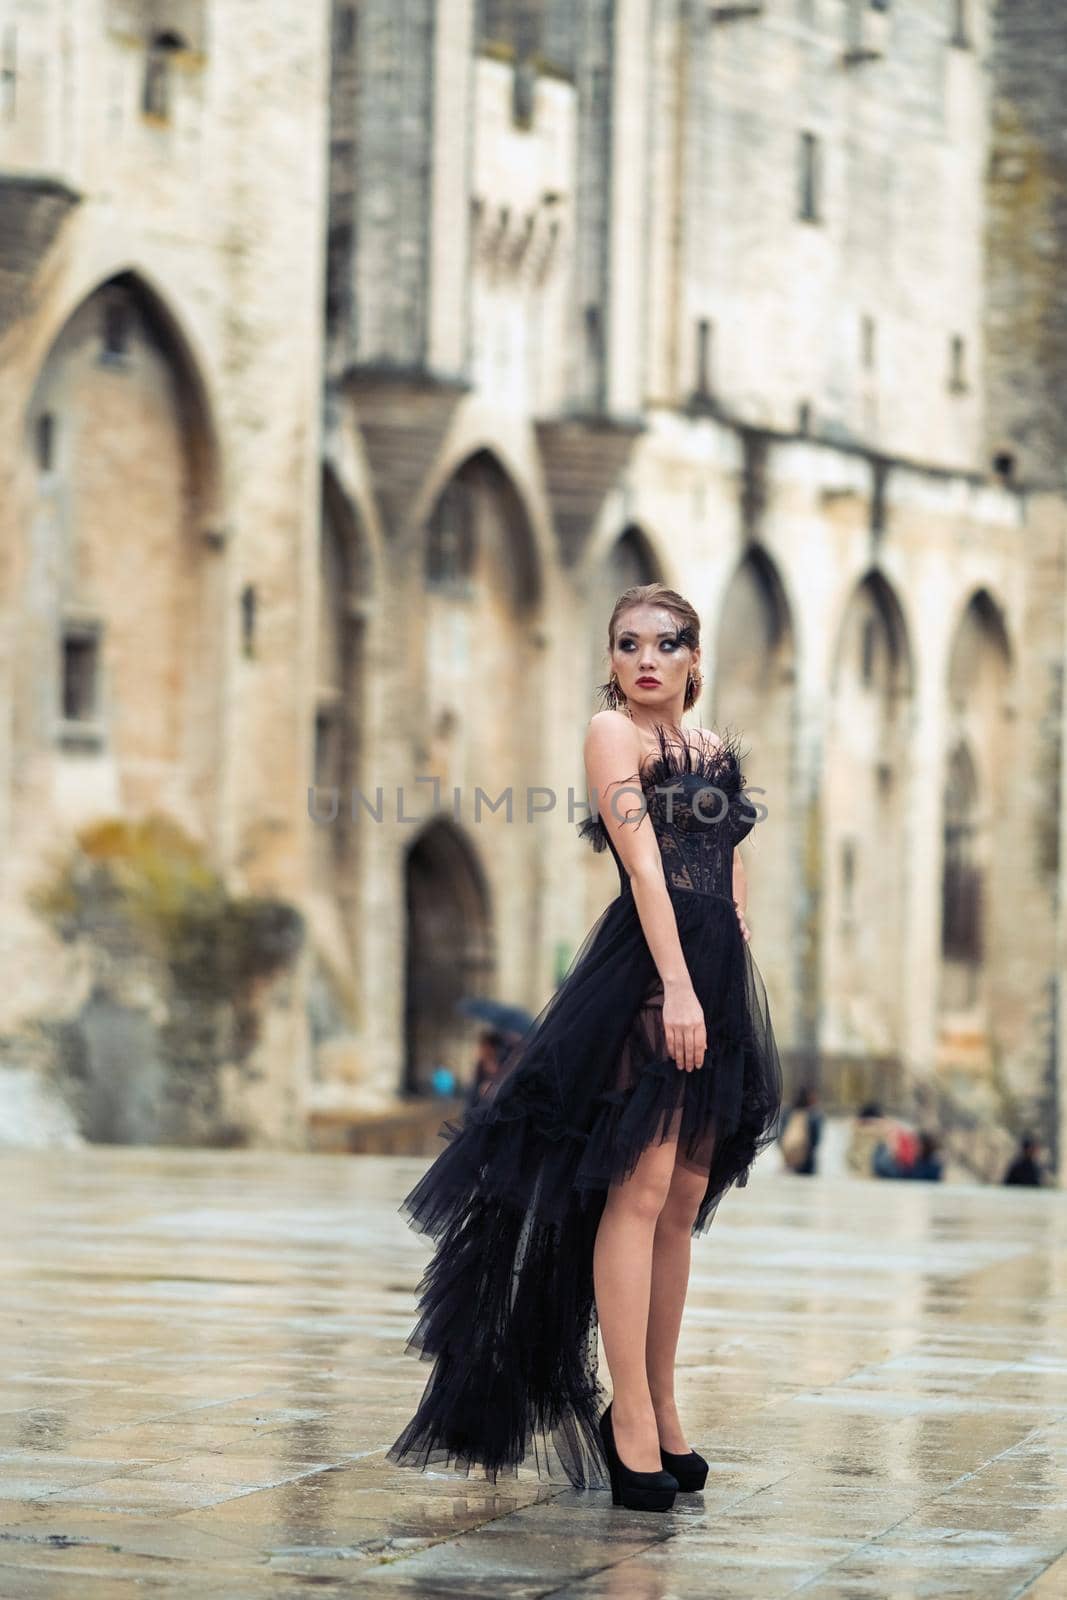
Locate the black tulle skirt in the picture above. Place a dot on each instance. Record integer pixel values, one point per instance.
(513, 1201)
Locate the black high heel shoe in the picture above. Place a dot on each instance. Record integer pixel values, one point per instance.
(637, 1491)
(691, 1470)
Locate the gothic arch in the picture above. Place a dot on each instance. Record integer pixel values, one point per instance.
(192, 389)
(873, 609)
(867, 776)
(122, 469)
(634, 553)
(634, 557)
(980, 630)
(750, 669)
(477, 661)
(756, 634)
(629, 560)
(449, 950)
(479, 512)
(978, 875)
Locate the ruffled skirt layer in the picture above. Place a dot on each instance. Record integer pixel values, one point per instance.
(513, 1201)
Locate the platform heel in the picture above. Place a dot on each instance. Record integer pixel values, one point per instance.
(691, 1470)
(637, 1491)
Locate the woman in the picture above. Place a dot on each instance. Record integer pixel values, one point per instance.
(567, 1199)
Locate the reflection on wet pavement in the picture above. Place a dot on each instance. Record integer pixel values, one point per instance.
(204, 1364)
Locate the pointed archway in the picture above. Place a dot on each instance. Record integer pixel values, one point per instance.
(630, 561)
(754, 690)
(125, 653)
(449, 951)
(866, 779)
(974, 997)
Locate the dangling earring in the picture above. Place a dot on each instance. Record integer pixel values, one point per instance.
(693, 685)
(615, 696)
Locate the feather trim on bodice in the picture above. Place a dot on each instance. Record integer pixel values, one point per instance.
(719, 765)
(669, 768)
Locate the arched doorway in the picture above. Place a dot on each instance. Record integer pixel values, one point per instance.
(449, 952)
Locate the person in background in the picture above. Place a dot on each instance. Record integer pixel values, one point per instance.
(897, 1151)
(870, 1128)
(1026, 1168)
(491, 1046)
(800, 1132)
(926, 1162)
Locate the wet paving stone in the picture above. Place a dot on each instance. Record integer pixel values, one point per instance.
(204, 1365)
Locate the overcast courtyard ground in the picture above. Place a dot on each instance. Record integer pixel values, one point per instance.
(203, 1366)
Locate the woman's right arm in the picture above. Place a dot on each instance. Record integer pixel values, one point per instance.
(612, 766)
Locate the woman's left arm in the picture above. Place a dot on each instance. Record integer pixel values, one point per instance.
(740, 892)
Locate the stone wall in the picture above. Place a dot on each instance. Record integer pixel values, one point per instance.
(188, 525)
(579, 334)
(1027, 241)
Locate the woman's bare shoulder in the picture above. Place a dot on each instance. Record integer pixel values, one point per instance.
(612, 725)
(612, 744)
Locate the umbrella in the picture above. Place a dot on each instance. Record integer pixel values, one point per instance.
(495, 1013)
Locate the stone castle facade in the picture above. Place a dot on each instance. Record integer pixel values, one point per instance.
(354, 359)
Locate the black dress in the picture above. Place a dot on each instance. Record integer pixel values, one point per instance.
(507, 1314)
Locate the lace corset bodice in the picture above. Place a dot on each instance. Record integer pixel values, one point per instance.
(697, 806)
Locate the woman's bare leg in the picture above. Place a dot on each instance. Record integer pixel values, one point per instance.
(622, 1283)
(671, 1250)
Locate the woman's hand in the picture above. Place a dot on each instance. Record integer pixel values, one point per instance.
(683, 1024)
(745, 932)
